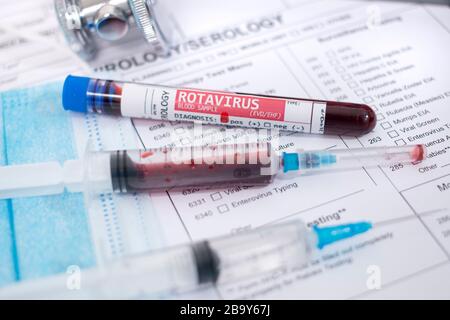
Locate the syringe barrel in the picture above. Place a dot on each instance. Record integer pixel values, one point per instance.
(262, 250)
(219, 260)
(182, 268)
(166, 168)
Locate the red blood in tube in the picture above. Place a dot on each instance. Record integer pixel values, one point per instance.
(343, 118)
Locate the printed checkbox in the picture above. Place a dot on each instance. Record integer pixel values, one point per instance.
(185, 141)
(216, 196)
(368, 99)
(346, 77)
(352, 84)
(386, 125)
(334, 62)
(380, 116)
(179, 130)
(340, 69)
(223, 208)
(359, 92)
(393, 134)
(400, 142)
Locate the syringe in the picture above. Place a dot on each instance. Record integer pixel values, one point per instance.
(188, 267)
(132, 171)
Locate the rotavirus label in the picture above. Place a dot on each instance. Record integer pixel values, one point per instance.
(217, 107)
(199, 99)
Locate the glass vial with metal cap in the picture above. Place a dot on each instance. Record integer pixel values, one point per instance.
(90, 25)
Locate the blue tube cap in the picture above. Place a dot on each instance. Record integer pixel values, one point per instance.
(328, 235)
(74, 96)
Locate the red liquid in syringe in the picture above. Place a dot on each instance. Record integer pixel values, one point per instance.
(162, 169)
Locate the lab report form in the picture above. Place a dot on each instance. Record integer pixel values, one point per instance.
(392, 56)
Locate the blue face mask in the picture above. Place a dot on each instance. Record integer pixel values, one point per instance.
(39, 236)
